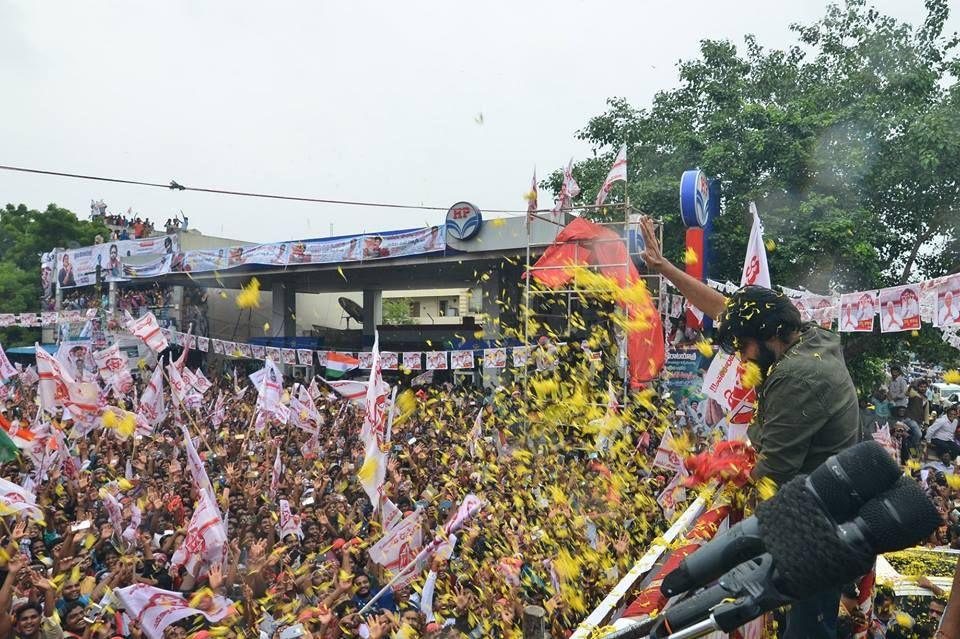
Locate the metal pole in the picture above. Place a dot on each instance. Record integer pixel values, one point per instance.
(626, 269)
(534, 622)
(526, 316)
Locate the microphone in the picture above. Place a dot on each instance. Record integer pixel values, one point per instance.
(840, 486)
(806, 554)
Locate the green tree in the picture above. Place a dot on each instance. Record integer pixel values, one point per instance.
(396, 311)
(24, 235)
(849, 142)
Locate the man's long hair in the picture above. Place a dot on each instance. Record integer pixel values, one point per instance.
(756, 312)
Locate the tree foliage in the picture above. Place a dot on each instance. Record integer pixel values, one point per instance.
(848, 141)
(396, 311)
(24, 235)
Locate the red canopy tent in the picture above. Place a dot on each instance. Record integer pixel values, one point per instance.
(584, 243)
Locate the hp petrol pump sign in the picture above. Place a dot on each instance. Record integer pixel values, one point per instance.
(694, 199)
(463, 221)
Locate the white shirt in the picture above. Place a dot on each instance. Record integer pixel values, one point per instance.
(897, 391)
(942, 429)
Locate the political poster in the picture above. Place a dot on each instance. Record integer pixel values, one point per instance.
(900, 309)
(857, 312)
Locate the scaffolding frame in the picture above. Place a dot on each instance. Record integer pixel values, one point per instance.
(622, 227)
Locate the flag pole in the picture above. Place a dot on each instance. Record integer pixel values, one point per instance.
(393, 404)
(403, 573)
(626, 266)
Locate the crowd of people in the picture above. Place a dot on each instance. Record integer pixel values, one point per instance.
(569, 473)
(562, 519)
(136, 301)
(130, 226)
(924, 428)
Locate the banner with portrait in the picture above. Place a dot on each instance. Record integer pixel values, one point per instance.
(817, 308)
(79, 267)
(900, 309)
(948, 302)
(357, 248)
(48, 264)
(857, 311)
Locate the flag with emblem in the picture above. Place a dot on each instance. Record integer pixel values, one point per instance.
(618, 173)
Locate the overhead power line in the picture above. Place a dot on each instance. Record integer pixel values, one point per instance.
(175, 186)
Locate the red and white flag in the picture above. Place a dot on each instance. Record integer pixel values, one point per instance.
(618, 173)
(185, 341)
(569, 189)
(112, 366)
(155, 609)
(147, 329)
(348, 389)
(195, 465)
(373, 473)
(29, 377)
(206, 537)
(16, 500)
(673, 493)
(400, 546)
(375, 401)
(275, 475)
(68, 462)
(43, 451)
(422, 379)
(269, 387)
(196, 380)
(390, 516)
(666, 456)
(130, 532)
(152, 405)
(58, 388)
(476, 432)
(200, 382)
(114, 511)
(7, 369)
(314, 389)
(179, 388)
(289, 523)
(219, 411)
(470, 505)
(755, 269)
(306, 399)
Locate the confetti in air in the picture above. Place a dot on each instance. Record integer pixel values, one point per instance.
(249, 296)
(751, 375)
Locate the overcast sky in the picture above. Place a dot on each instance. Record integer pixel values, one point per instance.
(374, 101)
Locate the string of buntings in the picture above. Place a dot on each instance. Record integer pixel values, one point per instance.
(389, 360)
(501, 357)
(900, 308)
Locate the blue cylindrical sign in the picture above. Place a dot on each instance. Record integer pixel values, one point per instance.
(694, 198)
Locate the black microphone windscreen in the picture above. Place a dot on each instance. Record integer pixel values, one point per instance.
(804, 544)
(901, 517)
(853, 477)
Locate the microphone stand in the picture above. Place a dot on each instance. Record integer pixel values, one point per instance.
(741, 595)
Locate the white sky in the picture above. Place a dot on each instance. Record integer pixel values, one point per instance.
(374, 101)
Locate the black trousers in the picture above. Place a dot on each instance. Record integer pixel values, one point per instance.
(814, 618)
(942, 446)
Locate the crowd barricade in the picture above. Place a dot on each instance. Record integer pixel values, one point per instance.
(697, 525)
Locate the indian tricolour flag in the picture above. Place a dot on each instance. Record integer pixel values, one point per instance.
(339, 363)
